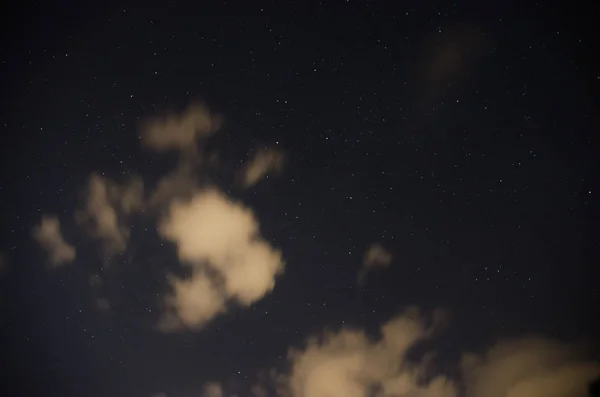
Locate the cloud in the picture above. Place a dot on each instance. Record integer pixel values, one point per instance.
(180, 183)
(529, 367)
(220, 240)
(179, 131)
(350, 364)
(105, 208)
(212, 389)
(48, 235)
(375, 256)
(264, 162)
(103, 304)
(449, 57)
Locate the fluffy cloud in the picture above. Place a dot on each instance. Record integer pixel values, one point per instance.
(264, 162)
(529, 367)
(376, 255)
(349, 364)
(179, 131)
(48, 235)
(220, 240)
(106, 204)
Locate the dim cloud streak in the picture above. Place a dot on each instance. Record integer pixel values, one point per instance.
(264, 162)
(48, 235)
(375, 256)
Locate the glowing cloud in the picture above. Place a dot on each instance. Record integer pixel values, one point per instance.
(264, 162)
(48, 235)
(220, 240)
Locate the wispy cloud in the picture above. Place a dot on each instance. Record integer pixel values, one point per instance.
(264, 162)
(48, 235)
(375, 256)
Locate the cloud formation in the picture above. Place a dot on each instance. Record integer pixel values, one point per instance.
(375, 256)
(179, 131)
(48, 235)
(220, 240)
(264, 162)
(529, 367)
(106, 206)
(350, 364)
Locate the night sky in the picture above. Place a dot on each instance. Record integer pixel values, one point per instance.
(342, 199)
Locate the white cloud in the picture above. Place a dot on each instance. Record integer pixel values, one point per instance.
(179, 131)
(375, 256)
(349, 364)
(220, 240)
(529, 367)
(105, 208)
(48, 235)
(263, 163)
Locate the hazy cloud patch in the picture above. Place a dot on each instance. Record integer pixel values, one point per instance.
(106, 206)
(529, 367)
(179, 131)
(48, 235)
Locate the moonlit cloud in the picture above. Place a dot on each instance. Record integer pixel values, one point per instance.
(375, 256)
(350, 364)
(220, 240)
(105, 208)
(48, 235)
(179, 131)
(529, 367)
(263, 163)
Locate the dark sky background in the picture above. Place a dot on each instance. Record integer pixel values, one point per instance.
(461, 136)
